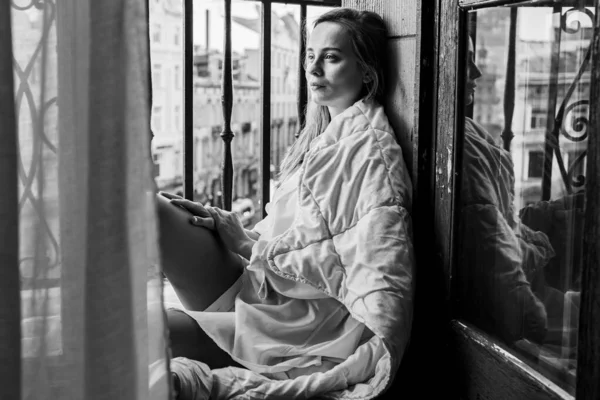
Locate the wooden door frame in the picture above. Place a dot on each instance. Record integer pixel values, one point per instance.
(480, 366)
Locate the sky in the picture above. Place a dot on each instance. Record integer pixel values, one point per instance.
(242, 38)
(535, 23)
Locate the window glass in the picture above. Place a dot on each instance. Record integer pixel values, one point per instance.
(522, 182)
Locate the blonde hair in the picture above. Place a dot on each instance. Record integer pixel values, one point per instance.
(368, 35)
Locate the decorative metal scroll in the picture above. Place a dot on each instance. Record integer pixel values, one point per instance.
(45, 255)
(577, 130)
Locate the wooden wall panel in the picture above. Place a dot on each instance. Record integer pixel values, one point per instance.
(447, 69)
(401, 17)
(399, 14)
(400, 102)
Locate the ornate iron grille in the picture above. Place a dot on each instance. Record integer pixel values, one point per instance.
(35, 97)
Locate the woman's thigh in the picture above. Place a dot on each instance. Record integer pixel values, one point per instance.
(190, 341)
(194, 259)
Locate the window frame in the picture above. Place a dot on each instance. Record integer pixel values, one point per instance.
(482, 367)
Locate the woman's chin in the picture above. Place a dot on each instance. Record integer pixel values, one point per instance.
(319, 100)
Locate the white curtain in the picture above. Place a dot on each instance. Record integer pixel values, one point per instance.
(81, 313)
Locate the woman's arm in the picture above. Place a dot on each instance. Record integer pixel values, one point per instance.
(252, 234)
(226, 223)
(244, 247)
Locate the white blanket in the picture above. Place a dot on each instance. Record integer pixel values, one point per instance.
(352, 241)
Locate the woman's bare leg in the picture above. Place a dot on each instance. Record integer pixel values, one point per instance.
(194, 260)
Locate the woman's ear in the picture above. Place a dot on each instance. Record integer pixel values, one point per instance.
(367, 77)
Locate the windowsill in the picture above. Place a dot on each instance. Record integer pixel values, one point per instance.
(563, 371)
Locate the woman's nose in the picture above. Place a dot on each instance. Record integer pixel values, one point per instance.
(314, 68)
(474, 71)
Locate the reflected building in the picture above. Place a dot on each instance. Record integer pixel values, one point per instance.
(531, 105)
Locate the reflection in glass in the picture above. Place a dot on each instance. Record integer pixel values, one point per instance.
(521, 201)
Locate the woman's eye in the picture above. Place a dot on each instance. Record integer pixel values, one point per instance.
(310, 57)
(330, 57)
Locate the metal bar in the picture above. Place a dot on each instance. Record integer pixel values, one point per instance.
(149, 62)
(227, 104)
(552, 101)
(265, 143)
(302, 87)
(509, 86)
(188, 101)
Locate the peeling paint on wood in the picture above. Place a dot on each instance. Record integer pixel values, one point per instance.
(401, 16)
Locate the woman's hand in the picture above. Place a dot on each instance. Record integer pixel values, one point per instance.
(227, 224)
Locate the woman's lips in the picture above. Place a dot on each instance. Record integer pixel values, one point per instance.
(316, 87)
(471, 87)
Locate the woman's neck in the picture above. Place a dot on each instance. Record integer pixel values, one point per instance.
(335, 111)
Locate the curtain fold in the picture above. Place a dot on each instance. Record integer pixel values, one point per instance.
(80, 285)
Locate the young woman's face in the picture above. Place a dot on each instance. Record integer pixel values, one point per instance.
(473, 73)
(332, 71)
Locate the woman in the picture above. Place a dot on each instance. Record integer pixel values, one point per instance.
(500, 258)
(325, 300)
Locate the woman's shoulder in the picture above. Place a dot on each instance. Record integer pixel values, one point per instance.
(376, 116)
(360, 119)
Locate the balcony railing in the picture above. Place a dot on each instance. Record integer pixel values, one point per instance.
(227, 100)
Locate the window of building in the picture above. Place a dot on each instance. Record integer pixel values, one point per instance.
(535, 168)
(201, 62)
(157, 75)
(157, 118)
(538, 119)
(177, 115)
(156, 33)
(177, 36)
(177, 77)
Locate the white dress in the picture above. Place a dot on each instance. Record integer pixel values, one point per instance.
(279, 327)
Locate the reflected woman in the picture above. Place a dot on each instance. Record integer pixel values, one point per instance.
(499, 258)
